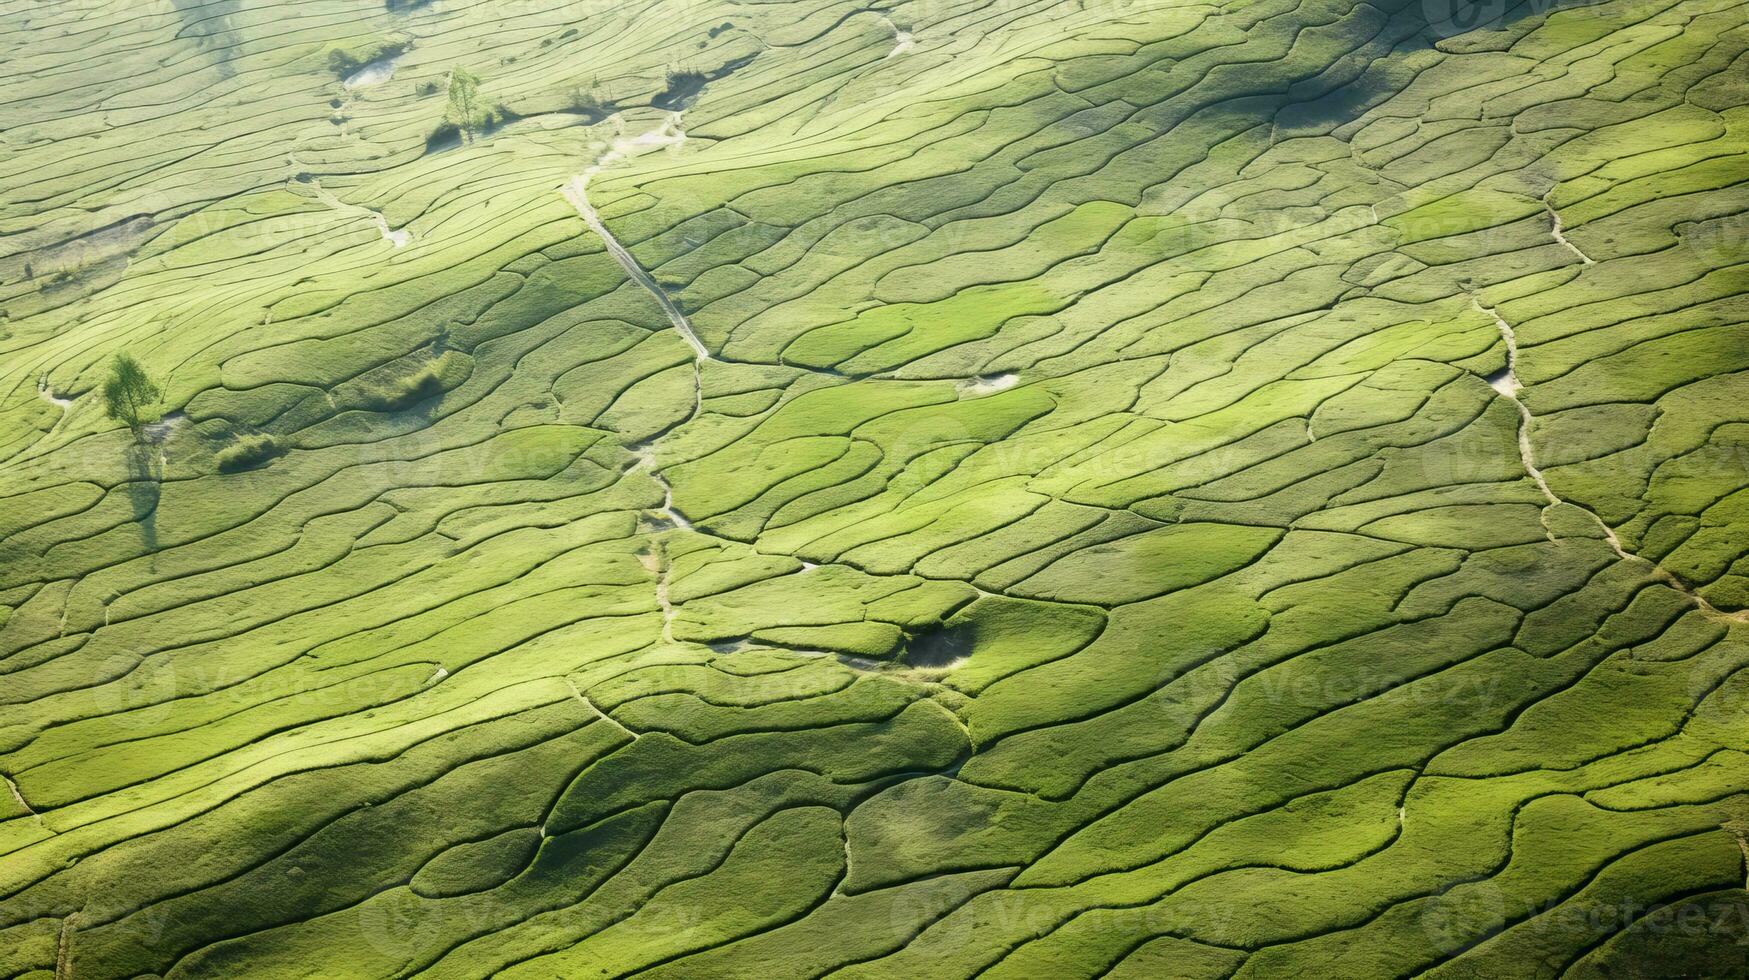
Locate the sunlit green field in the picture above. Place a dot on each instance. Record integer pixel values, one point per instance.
(1004, 488)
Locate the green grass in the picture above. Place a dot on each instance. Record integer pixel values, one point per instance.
(1172, 491)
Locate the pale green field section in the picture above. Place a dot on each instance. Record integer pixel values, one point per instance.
(1017, 489)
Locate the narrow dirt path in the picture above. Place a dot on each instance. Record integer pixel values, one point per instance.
(1507, 384)
(398, 237)
(577, 192)
(604, 716)
(18, 796)
(1559, 233)
(668, 135)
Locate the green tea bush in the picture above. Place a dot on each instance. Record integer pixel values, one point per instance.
(396, 394)
(248, 452)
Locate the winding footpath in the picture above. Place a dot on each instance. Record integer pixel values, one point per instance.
(398, 237)
(1507, 384)
(577, 192)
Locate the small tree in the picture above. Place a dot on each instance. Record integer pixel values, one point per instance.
(463, 112)
(128, 393)
(590, 106)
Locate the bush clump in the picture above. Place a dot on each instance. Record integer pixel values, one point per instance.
(344, 62)
(394, 394)
(591, 107)
(248, 452)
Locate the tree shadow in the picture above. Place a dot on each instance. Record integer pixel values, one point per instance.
(144, 488)
(1337, 96)
(208, 22)
(943, 646)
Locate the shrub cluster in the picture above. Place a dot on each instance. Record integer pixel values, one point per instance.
(248, 452)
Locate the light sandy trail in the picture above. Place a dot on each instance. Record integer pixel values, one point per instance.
(604, 716)
(647, 461)
(1559, 233)
(578, 194)
(47, 394)
(19, 797)
(669, 135)
(576, 190)
(397, 237)
(1507, 384)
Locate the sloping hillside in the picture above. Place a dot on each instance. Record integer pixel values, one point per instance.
(1018, 489)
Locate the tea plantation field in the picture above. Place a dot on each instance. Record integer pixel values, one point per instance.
(940, 488)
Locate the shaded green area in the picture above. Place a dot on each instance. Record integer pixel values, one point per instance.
(1206, 491)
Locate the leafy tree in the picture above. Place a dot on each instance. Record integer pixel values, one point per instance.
(464, 110)
(129, 394)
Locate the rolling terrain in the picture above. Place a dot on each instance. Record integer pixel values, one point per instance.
(1017, 489)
